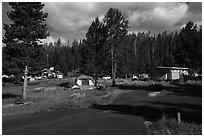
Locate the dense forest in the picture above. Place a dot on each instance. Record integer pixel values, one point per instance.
(137, 53)
(107, 47)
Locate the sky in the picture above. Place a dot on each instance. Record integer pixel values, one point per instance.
(71, 20)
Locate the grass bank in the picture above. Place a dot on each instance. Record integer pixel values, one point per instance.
(48, 96)
(170, 126)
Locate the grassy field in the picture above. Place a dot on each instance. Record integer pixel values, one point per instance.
(47, 95)
(52, 95)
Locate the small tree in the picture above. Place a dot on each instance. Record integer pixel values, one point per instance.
(116, 27)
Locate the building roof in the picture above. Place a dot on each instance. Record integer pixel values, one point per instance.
(85, 77)
(74, 75)
(174, 68)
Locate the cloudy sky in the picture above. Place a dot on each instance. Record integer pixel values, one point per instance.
(71, 20)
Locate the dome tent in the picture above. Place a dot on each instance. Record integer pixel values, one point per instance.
(85, 82)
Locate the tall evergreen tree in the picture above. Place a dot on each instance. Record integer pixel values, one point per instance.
(96, 37)
(188, 49)
(23, 35)
(116, 26)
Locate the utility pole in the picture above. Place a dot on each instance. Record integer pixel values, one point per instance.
(25, 83)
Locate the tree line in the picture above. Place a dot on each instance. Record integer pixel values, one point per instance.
(108, 49)
(136, 53)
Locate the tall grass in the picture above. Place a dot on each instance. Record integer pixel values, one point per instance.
(170, 126)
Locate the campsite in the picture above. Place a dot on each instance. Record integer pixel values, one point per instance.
(129, 98)
(101, 68)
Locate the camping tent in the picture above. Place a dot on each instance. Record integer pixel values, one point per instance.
(85, 82)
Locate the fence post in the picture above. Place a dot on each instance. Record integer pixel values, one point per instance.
(25, 83)
(179, 118)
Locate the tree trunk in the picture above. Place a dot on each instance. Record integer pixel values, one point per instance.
(95, 82)
(113, 65)
(25, 83)
(95, 79)
(47, 61)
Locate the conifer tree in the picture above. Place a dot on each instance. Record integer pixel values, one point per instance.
(96, 38)
(22, 37)
(116, 26)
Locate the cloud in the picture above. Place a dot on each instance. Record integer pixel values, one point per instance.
(64, 19)
(170, 16)
(72, 19)
(195, 7)
(51, 39)
(159, 18)
(137, 18)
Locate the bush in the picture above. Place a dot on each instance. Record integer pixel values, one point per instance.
(169, 126)
(101, 87)
(14, 80)
(186, 78)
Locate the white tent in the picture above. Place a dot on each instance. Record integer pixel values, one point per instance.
(85, 82)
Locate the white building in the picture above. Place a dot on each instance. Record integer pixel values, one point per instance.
(168, 73)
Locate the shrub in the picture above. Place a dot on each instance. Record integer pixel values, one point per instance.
(170, 126)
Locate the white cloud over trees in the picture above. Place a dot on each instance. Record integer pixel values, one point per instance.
(71, 20)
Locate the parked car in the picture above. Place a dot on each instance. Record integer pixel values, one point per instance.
(11, 79)
(135, 77)
(38, 77)
(107, 77)
(144, 77)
